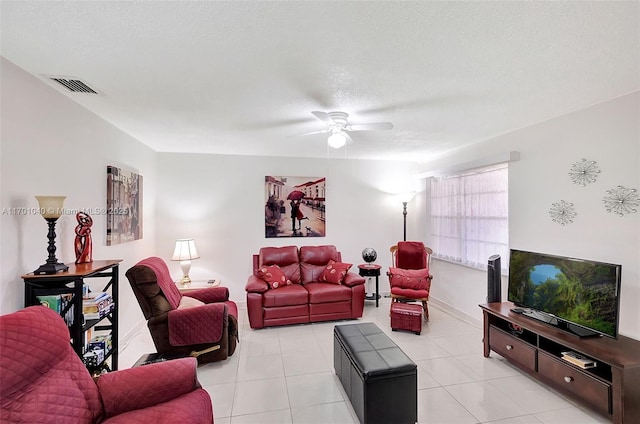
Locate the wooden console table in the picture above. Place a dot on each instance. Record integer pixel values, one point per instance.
(612, 388)
(72, 282)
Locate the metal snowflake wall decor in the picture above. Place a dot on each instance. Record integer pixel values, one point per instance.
(562, 212)
(621, 201)
(584, 172)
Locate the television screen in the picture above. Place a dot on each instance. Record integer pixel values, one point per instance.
(577, 291)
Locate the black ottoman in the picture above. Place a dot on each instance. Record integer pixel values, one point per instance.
(379, 378)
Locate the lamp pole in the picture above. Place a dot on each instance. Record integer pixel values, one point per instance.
(404, 213)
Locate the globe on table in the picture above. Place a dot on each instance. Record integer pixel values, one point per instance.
(369, 255)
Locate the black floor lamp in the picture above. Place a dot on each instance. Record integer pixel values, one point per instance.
(406, 198)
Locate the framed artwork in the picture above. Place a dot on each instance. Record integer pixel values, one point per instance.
(124, 206)
(294, 206)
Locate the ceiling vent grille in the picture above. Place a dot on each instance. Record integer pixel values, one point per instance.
(74, 85)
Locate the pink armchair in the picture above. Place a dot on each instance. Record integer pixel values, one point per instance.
(409, 276)
(202, 323)
(44, 381)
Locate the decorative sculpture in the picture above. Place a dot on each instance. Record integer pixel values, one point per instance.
(83, 244)
(584, 172)
(621, 200)
(562, 212)
(369, 255)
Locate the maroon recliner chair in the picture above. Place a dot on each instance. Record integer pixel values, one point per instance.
(202, 323)
(44, 381)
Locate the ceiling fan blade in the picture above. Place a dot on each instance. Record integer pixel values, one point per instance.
(317, 132)
(372, 126)
(324, 117)
(349, 139)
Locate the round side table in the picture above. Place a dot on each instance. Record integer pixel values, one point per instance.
(371, 270)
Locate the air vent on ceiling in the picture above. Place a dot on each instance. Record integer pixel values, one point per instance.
(73, 85)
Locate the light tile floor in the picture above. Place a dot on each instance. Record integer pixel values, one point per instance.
(284, 375)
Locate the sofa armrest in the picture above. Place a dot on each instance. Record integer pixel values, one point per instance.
(209, 294)
(148, 385)
(353, 279)
(201, 324)
(256, 285)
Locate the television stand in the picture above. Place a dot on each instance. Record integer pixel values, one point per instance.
(611, 388)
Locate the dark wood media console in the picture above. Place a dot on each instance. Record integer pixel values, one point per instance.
(612, 388)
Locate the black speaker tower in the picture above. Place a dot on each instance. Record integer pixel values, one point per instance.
(494, 279)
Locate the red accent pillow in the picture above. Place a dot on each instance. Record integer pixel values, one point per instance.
(417, 279)
(334, 272)
(273, 276)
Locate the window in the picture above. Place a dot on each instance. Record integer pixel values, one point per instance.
(470, 216)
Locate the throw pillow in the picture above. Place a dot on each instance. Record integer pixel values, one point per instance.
(334, 272)
(189, 302)
(417, 279)
(273, 275)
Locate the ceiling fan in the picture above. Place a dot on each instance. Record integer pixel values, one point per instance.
(339, 127)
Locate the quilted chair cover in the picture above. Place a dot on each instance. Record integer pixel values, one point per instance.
(178, 329)
(44, 381)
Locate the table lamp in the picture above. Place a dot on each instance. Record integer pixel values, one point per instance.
(51, 210)
(184, 252)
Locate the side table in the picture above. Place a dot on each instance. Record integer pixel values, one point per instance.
(197, 285)
(371, 270)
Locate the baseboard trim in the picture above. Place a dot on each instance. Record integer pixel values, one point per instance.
(131, 334)
(456, 312)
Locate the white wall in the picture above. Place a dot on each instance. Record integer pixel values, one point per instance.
(52, 146)
(608, 133)
(219, 200)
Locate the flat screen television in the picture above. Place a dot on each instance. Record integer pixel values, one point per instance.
(577, 295)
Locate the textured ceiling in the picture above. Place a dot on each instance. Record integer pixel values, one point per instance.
(242, 77)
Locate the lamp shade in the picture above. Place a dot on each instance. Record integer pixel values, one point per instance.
(185, 250)
(51, 206)
(407, 197)
(337, 140)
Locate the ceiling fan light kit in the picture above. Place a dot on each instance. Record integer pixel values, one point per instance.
(339, 126)
(337, 139)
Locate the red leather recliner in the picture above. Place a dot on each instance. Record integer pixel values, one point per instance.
(202, 323)
(307, 299)
(44, 381)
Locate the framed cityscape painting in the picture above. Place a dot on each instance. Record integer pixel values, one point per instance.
(294, 206)
(124, 206)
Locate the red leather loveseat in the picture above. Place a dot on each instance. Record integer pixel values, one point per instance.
(316, 286)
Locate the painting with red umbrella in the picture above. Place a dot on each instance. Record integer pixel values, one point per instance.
(294, 206)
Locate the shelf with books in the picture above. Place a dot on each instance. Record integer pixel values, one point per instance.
(578, 359)
(69, 294)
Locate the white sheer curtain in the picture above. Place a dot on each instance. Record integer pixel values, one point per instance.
(470, 216)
